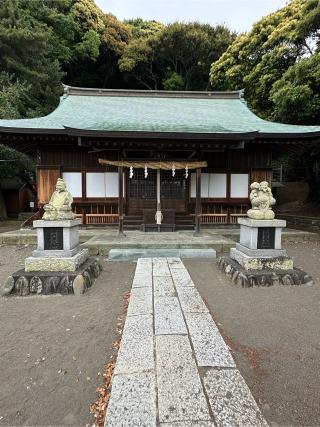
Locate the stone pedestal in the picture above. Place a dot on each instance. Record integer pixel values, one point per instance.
(260, 245)
(259, 260)
(58, 265)
(58, 247)
(57, 238)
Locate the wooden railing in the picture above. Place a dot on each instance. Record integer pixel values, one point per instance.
(102, 218)
(37, 215)
(234, 218)
(220, 218)
(213, 218)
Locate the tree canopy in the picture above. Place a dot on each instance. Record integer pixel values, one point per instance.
(173, 57)
(46, 42)
(267, 61)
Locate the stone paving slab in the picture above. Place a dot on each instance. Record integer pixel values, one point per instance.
(181, 277)
(163, 287)
(169, 374)
(168, 318)
(144, 262)
(174, 262)
(180, 393)
(160, 259)
(209, 346)
(160, 269)
(231, 400)
(142, 280)
(136, 350)
(133, 401)
(140, 302)
(191, 301)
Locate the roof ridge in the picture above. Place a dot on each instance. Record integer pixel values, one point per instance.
(84, 91)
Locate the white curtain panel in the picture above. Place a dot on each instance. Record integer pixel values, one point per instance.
(73, 181)
(239, 185)
(95, 184)
(218, 185)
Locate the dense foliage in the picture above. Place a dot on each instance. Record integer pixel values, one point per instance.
(21, 166)
(173, 57)
(279, 56)
(46, 42)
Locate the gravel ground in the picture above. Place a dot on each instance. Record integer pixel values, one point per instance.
(274, 335)
(54, 348)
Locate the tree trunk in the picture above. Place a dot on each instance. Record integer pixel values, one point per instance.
(3, 208)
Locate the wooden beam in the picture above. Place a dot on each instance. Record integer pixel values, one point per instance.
(120, 200)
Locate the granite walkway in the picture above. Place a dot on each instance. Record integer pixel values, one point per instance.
(173, 368)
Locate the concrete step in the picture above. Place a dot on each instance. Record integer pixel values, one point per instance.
(136, 253)
(132, 218)
(132, 222)
(184, 227)
(132, 226)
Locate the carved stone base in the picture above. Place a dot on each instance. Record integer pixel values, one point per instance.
(266, 277)
(45, 283)
(57, 263)
(261, 263)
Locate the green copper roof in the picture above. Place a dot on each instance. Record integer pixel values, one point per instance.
(143, 111)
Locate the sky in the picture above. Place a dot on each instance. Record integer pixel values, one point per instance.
(238, 15)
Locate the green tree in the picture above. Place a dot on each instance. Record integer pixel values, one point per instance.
(258, 59)
(140, 28)
(25, 54)
(174, 81)
(101, 40)
(296, 96)
(189, 49)
(13, 96)
(139, 64)
(178, 55)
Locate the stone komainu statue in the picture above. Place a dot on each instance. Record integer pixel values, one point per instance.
(59, 206)
(261, 200)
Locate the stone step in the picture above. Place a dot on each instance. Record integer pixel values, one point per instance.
(132, 226)
(181, 227)
(136, 253)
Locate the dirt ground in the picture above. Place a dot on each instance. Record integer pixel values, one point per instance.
(274, 335)
(53, 348)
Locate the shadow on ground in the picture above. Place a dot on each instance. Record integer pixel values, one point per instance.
(274, 335)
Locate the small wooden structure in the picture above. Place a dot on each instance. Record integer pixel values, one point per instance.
(17, 196)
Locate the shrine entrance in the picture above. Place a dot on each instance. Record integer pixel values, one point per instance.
(142, 191)
(145, 192)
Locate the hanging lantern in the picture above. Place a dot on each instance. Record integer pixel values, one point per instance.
(187, 172)
(173, 169)
(145, 171)
(131, 172)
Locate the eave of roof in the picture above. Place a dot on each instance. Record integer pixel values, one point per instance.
(158, 114)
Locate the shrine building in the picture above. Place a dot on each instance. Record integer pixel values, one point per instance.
(127, 154)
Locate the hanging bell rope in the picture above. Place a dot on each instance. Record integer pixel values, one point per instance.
(165, 165)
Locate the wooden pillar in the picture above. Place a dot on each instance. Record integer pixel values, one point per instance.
(158, 217)
(120, 200)
(158, 191)
(198, 201)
